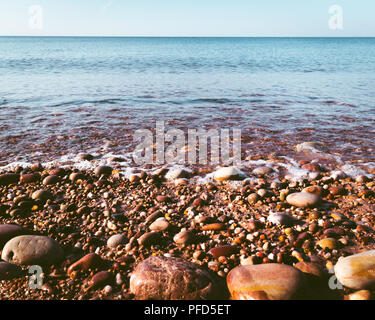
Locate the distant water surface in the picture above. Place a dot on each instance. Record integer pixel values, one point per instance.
(67, 95)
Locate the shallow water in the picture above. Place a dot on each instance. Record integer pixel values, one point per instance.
(61, 96)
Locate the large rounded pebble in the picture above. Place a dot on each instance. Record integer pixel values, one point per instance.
(76, 176)
(9, 231)
(30, 177)
(9, 271)
(32, 250)
(116, 240)
(101, 279)
(266, 282)
(103, 170)
(51, 180)
(9, 178)
(303, 199)
(149, 239)
(184, 237)
(160, 224)
(328, 243)
(43, 195)
(162, 278)
(60, 172)
(229, 173)
(357, 271)
(163, 199)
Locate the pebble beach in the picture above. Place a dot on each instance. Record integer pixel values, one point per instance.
(163, 234)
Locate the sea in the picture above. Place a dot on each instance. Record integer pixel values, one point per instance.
(61, 96)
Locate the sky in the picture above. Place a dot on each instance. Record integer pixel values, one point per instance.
(242, 18)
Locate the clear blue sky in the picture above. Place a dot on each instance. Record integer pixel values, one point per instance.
(188, 17)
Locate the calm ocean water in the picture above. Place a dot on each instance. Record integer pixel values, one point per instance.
(66, 95)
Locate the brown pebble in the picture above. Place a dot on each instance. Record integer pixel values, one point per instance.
(89, 261)
(224, 251)
(213, 227)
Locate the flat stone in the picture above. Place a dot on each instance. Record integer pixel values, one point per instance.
(162, 278)
(357, 271)
(9, 231)
(160, 224)
(303, 199)
(174, 174)
(9, 178)
(229, 173)
(32, 250)
(9, 271)
(116, 240)
(270, 281)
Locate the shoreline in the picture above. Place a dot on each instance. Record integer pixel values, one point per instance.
(83, 209)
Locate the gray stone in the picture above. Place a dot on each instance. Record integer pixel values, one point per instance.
(160, 224)
(116, 240)
(32, 250)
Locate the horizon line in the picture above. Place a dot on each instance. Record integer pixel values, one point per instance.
(166, 36)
